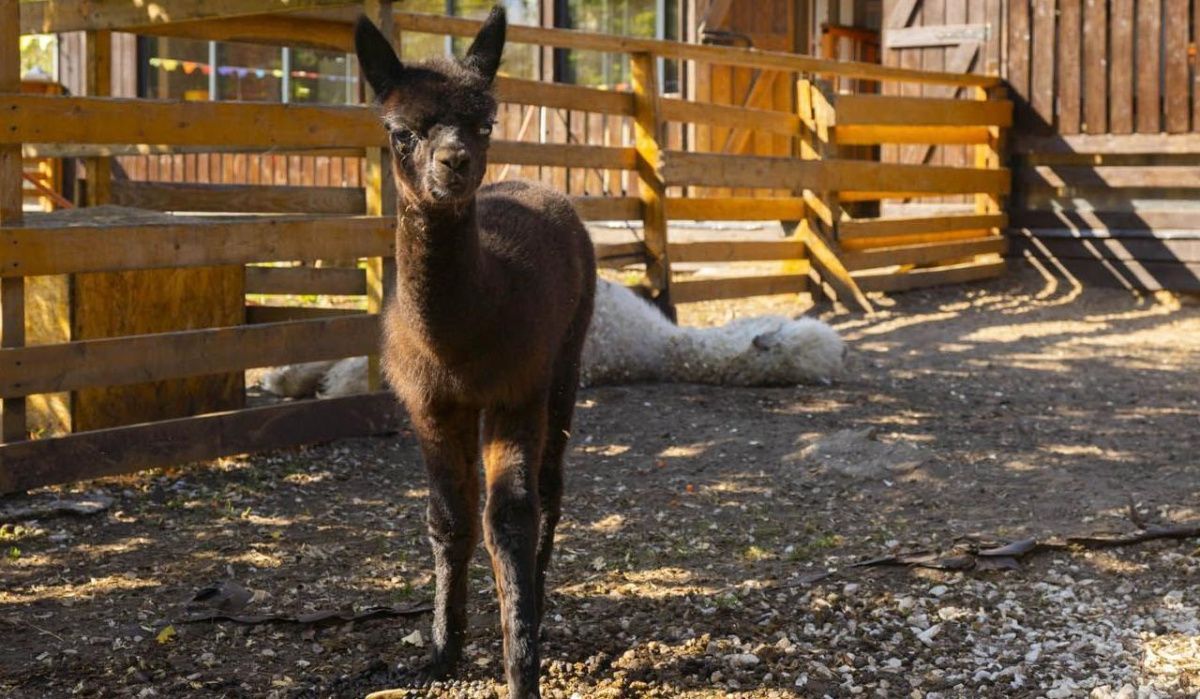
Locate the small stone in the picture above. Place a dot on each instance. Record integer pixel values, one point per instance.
(742, 660)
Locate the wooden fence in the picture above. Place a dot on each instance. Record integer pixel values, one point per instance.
(1097, 67)
(834, 251)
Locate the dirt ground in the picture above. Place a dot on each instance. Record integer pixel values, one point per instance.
(699, 529)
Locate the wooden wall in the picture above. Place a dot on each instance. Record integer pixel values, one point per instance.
(1106, 163)
(1091, 66)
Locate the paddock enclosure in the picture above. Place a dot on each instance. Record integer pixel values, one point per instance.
(202, 230)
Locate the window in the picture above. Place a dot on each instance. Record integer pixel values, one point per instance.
(171, 68)
(39, 57)
(641, 18)
(520, 60)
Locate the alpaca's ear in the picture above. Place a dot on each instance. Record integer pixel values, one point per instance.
(378, 61)
(484, 55)
(766, 341)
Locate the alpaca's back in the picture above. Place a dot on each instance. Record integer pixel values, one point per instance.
(526, 222)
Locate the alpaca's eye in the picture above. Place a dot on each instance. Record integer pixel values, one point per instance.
(485, 130)
(403, 139)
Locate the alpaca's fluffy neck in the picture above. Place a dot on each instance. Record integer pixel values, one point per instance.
(439, 280)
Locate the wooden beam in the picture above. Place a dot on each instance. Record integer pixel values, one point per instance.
(92, 150)
(651, 187)
(723, 55)
(562, 96)
(256, 315)
(934, 35)
(1111, 144)
(880, 227)
(738, 251)
(1082, 177)
(115, 361)
(277, 30)
(852, 135)
(736, 209)
(563, 155)
(56, 16)
(851, 245)
(302, 281)
(718, 170)
(236, 198)
(725, 115)
(900, 15)
(12, 290)
(691, 291)
(825, 260)
(938, 276)
(923, 253)
(608, 208)
(885, 110)
(52, 119)
(33, 250)
(715, 16)
(42, 462)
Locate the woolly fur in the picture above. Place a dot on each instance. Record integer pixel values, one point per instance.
(630, 341)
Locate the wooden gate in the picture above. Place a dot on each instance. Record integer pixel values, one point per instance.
(767, 25)
(955, 36)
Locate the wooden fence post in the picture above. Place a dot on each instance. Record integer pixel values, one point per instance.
(651, 186)
(990, 155)
(380, 201)
(823, 211)
(12, 289)
(98, 79)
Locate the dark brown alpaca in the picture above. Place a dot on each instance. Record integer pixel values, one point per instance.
(492, 302)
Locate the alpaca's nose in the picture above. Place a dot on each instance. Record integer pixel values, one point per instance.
(453, 159)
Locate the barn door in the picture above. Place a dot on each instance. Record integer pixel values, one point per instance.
(954, 36)
(765, 24)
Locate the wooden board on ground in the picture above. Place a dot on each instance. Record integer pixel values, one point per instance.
(36, 463)
(922, 278)
(689, 291)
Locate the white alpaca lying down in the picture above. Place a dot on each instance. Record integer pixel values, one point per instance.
(630, 341)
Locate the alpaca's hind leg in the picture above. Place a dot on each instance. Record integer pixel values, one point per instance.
(449, 439)
(550, 477)
(513, 444)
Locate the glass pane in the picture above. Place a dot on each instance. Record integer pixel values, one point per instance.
(37, 56)
(623, 17)
(174, 68)
(323, 77)
(520, 60)
(249, 73)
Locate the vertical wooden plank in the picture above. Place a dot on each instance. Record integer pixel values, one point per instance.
(1019, 42)
(1069, 75)
(12, 289)
(380, 201)
(1042, 61)
(1149, 65)
(651, 187)
(1196, 70)
(933, 58)
(1120, 68)
(956, 13)
(1175, 78)
(99, 69)
(1095, 67)
(990, 156)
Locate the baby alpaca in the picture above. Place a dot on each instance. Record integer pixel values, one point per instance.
(482, 334)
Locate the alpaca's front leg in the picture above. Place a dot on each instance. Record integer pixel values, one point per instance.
(513, 443)
(449, 439)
